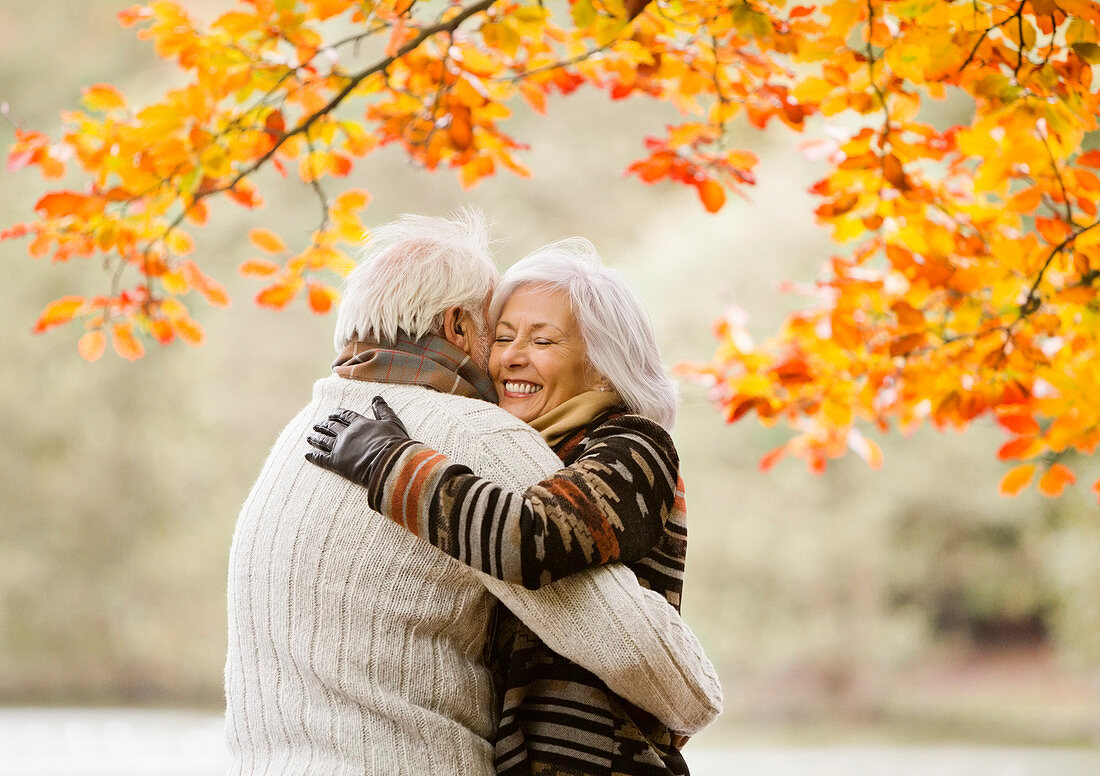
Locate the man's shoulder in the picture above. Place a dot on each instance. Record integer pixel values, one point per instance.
(473, 430)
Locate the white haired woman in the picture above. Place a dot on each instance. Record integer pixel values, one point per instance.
(573, 355)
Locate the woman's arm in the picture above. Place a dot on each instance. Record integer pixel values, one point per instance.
(609, 505)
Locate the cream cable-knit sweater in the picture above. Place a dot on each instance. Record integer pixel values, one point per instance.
(356, 648)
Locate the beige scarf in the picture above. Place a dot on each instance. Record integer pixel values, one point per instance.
(573, 413)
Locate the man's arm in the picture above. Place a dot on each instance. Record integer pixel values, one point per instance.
(630, 637)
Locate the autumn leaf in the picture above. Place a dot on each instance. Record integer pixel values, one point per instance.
(711, 195)
(266, 240)
(277, 296)
(321, 297)
(1016, 479)
(258, 268)
(91, 345)
(125, 343)
(1055, 479)
(103, 97)
(58, 312)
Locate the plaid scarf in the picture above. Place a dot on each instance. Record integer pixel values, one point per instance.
(430, 361)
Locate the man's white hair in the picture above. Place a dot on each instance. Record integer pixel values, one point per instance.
(618, 335)
(412, 270)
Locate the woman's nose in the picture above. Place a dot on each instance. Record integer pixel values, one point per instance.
(514, 354)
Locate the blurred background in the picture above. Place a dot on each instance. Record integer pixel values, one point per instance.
(912, 604)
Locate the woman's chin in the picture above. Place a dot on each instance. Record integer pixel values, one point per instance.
(522, 407)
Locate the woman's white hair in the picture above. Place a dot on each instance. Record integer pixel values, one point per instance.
(412, 270)
(617, 332)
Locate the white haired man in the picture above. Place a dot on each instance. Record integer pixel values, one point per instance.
(352, 645)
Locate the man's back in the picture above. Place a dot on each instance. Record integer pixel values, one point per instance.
(352, 645)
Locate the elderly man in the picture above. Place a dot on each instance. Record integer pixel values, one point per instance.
(354, 647)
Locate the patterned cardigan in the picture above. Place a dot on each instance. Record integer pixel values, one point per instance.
(620, 499)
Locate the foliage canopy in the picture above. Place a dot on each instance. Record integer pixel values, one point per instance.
(965, 282)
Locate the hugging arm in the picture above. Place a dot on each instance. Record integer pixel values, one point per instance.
(609, 505)
(628, 636)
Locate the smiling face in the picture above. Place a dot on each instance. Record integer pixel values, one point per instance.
(538, 358)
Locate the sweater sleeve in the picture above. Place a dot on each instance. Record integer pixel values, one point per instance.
(628, 636)
(609, 505)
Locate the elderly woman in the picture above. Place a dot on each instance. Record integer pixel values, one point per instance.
(573, 355)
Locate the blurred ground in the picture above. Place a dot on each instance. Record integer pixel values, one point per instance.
(99, 742)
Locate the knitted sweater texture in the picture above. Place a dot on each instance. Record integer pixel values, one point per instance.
(356, 648)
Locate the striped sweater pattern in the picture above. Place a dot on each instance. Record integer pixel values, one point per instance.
(619, 499)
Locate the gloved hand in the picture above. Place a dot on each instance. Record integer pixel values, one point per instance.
(352, 445)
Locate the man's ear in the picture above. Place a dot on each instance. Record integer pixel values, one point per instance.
(457, 330)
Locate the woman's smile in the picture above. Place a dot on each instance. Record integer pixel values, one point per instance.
(538, 359)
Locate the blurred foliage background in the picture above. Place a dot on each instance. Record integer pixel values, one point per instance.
(908, 602)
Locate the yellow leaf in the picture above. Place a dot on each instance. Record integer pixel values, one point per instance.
(179, 242)
(103, 97)
(174, 282)
(266, 240)
(58, 312)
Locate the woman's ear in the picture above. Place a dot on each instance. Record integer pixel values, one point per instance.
(601, 383)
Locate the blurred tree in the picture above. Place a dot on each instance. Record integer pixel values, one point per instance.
(969, 287)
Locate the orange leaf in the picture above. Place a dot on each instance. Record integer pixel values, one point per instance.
(61, 203)
(58, 312)
(91, 345)
(321, 298)
(711, 194)
(1016, 480)
(197, 213)
(339, 165)
(1020, 448)
(1090, 158)
(190, 331)
(276, 296)
(771, 458)
(258, 268)
(1026, 200)
(1019, 423)
(103, 97)
(126, 344)
(133, 14)
(215, 293)
(1055, 479)
(266, 240)
(162, 330)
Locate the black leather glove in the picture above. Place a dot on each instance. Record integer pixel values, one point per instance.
(352, 445)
